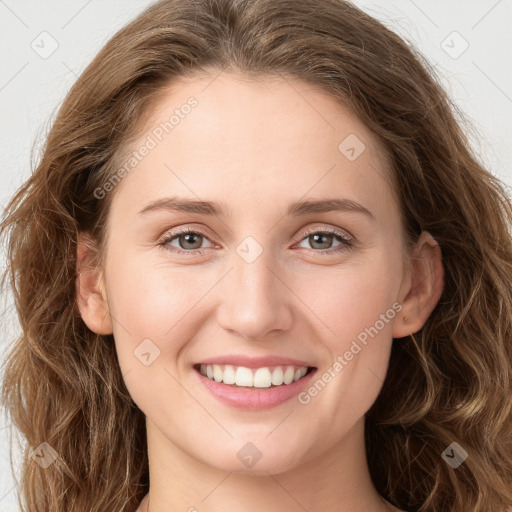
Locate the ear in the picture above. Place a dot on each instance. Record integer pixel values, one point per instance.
(424, 288)
(90, 290)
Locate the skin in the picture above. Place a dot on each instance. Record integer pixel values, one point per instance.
(257, 146)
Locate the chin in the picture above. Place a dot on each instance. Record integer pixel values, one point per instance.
(242, 464)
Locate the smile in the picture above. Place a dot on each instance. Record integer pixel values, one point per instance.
(254, 389)
(264, 377)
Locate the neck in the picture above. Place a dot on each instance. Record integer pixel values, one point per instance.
(337, 481)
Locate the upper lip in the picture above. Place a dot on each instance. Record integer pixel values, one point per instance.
(255, 362)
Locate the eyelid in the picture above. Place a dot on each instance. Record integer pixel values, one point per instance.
(186, 228)
(343, 233)
(173, 233)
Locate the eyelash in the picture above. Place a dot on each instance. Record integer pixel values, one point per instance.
(345, 245)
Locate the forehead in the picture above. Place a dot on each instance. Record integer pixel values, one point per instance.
(254, 142)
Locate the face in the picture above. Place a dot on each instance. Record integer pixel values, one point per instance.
(268, 281)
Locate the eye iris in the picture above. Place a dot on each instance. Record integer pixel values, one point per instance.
(186, 237)
(314, 239)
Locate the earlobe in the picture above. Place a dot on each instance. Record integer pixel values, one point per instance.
(425, 287)
(90, 292)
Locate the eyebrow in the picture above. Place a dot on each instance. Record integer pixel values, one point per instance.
(295, 209)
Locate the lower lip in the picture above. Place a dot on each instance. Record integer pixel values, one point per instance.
(255, 398)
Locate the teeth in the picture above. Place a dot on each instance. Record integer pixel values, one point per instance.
(229, 376)
(257, 378)
(217, 373)
(262, 378)
(277, 376)
(243, 376)
(289, 375)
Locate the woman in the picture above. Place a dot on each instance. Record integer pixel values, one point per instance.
(338, 334)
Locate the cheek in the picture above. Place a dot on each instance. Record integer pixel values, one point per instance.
(155, 314)
(351, 298)
(152, 310)
(355, 333)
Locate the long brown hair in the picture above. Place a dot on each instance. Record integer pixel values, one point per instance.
(450, 382)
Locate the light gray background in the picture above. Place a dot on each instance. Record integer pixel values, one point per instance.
(32, 88)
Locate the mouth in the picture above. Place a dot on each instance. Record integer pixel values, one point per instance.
(264, 377)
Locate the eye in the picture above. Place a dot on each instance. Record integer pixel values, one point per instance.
(189, 241)
(322, 239)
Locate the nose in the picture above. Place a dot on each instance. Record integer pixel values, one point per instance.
(256, 301)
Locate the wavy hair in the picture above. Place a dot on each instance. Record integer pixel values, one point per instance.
(449, 382)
